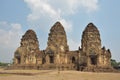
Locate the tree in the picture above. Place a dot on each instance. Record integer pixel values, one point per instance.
(115, 64)
(3, 64)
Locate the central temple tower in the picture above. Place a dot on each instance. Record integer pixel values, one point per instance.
(57, 45)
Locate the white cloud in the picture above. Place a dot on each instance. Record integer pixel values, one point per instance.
(66, 24)
(9, 33)
(45, 12)
(71, 6)
(73, 45)
(90, 5)
(9, 39)
(39, 8)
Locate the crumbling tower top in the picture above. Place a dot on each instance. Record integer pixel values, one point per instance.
(57, 40)
(91, 41)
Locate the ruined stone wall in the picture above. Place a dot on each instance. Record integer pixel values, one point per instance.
(105, 57)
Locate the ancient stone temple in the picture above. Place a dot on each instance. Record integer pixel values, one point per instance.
(90, 56)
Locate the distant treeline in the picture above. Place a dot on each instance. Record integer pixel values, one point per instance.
(115, 64)
(3, 64)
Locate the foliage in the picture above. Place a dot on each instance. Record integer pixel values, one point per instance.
(3, 64)
(114, 63)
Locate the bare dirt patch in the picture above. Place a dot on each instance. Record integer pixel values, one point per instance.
(55, 75)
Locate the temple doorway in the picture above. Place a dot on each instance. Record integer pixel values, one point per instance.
(43, 60)
(18, 60)
(93, 60)
(73, 59)
(51, 59)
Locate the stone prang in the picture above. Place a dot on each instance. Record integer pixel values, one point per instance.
(57, 40)
(29, 47)
(91, 47)
(57, 45)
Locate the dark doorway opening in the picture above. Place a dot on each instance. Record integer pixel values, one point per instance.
(18, 57)
(43, 60)
(73, 59)
(18, 60)
(51, 59)
(93, 60)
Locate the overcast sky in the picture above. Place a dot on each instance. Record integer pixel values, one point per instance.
(17, 16)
